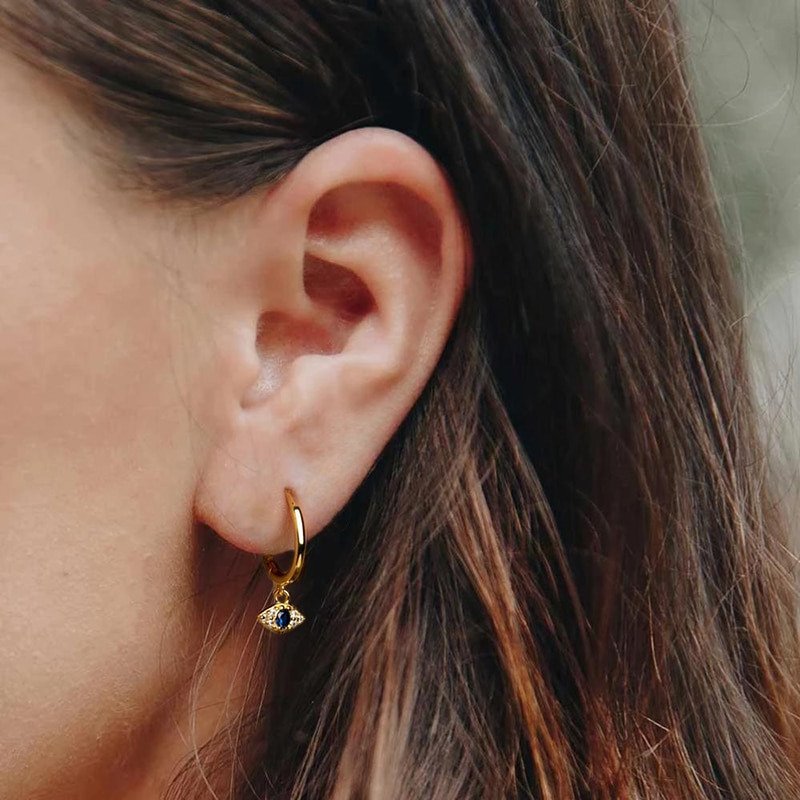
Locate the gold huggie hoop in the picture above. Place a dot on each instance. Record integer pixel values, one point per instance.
(282, 616)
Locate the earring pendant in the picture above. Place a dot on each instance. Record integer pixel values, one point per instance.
(282, 616)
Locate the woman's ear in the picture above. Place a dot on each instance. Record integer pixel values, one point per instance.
(345, 293)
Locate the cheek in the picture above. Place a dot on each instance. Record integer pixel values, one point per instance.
(95, 493)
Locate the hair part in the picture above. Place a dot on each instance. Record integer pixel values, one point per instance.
(570, 578)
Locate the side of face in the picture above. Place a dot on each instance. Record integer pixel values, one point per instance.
(97, 458)
(164, 374)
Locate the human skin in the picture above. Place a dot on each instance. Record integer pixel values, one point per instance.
(165, 375)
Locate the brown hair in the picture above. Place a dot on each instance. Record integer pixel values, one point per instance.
(564, 577)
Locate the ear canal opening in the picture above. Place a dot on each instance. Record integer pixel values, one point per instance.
(340, 300)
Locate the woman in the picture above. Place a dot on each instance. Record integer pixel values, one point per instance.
(452, 273)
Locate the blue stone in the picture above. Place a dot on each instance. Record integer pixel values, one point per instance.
(283, 617)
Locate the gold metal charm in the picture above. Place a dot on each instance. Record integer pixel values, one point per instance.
(282, 616)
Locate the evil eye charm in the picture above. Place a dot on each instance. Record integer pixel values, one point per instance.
(280, 618)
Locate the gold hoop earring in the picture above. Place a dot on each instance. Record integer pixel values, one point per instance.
(282, 616)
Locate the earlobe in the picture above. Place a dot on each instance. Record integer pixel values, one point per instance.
(363, 258)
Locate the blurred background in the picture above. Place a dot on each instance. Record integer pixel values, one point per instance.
(744, 56)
